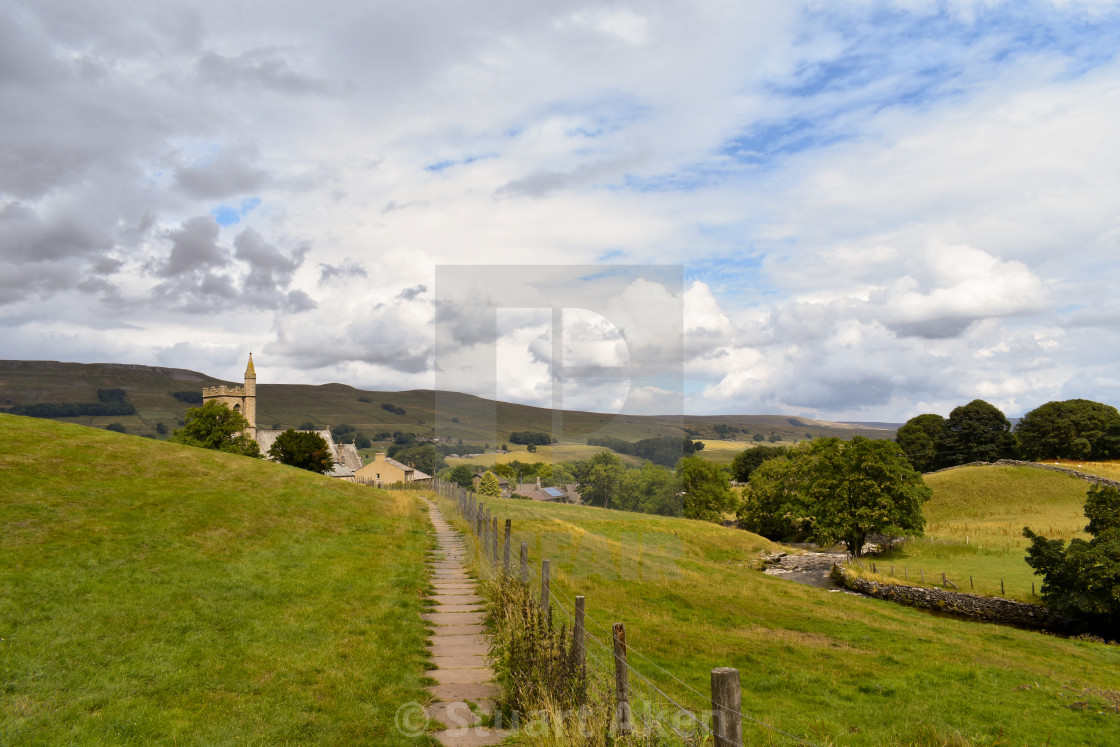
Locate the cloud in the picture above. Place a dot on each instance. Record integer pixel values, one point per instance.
(266, 69)
(232, 171)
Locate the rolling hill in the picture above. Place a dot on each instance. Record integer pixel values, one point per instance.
(161, 594)
(290, 405)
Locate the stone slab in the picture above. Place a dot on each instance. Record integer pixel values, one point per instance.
(458, 599)
(453, 618)
(460, 661)
(454, 630)
(450, 608)
(461, 676)
(453, 715)
(473, 692)
(469, 736)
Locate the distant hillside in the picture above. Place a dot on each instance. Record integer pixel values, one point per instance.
(149, 388)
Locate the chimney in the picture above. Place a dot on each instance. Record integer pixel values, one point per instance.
(538, 482)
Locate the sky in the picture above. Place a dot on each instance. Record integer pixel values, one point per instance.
(871, 209)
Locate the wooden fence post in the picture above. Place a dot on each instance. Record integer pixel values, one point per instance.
(495, 542)
(505, 553)
(1002, 593)
(544, 584)
(524, 562)
(578, 654)
(727, 723)
(621, 680)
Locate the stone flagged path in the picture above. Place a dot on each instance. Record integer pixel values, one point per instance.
(459, 646)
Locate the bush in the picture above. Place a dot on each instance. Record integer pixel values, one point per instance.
(116, 427)
(302, 449)
(1082, 580)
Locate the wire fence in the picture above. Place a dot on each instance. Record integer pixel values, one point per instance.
(929, 575)
(643, 707)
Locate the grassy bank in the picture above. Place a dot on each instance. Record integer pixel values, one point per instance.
(975, 523)
(827, 667)
(154, 593)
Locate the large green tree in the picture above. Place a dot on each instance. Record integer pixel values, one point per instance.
(922, 439)
(650, 489)
(977, 432)
(599, 478)
(707, 490)
(1082, 580)
(837, 491)
(1073, 429)
(748, 460)
(304, 449)
(215, 426)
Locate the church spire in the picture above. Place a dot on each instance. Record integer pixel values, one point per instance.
(250, 372)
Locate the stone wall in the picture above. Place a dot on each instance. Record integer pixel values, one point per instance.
(988, 609)
(1041, 465)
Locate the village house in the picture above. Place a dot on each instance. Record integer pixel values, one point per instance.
(384, 470)
(559, 494)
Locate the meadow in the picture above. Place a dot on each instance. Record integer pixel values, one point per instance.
(826, 667)
(152, 593)
(974, 529)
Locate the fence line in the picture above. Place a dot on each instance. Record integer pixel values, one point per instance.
(493, 545)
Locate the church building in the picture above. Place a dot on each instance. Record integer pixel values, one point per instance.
(243, 399)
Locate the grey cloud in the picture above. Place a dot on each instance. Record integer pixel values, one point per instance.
(465, 324)
(26, 236)
(231, 172)
(202, 277)
(409, 294)
(262, 69)
(349, 268)
(543, 183)
(194, 246)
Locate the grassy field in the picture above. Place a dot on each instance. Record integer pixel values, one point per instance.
(155, 593)
(827, 667)
(547, 454)
(1110, 469)
(975, 523)
(464, 416)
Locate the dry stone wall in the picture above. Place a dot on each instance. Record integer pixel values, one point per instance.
(1094, 479)
(988, 609)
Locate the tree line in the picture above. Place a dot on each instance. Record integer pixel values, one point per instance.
(979, 432)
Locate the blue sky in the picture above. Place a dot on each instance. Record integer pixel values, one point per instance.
(880, 208)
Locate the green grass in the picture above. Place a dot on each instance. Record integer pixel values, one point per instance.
(828, 667)
(975, 523)
(155, 593)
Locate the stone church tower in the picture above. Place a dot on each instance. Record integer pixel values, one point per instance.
(242, 399)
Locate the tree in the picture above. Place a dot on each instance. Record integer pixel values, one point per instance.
(303, 449)
(531, 448)
(1073, 429)
(748, 460)
(488, 485)
(599, 478)
(650, 489)
(504, 470)
(707, 491)
(215, 426)
(1082, 580)
(977, 432)
(463, 476)
(837, 491)
(921, 438)
(117, 427)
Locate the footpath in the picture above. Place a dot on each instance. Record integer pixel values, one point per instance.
(458, 645)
